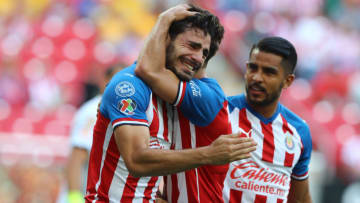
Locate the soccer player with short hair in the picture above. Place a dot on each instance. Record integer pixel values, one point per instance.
(277, 171)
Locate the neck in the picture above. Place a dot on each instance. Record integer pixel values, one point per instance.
(201, 73)
(265, 110)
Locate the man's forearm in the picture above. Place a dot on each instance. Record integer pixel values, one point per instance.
(150, 162)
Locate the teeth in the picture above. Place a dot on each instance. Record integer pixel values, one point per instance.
(189, 67)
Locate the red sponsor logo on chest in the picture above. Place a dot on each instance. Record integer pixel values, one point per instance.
(250, 170)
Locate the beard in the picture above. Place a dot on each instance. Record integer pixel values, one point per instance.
(269, 98)
(170, 62)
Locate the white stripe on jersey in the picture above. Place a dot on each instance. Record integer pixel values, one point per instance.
(181, 180)
(149, 111)
(183, 197)
(279, 156)
(193, 145)
(129, 123)
(180, 93)
(117, 187)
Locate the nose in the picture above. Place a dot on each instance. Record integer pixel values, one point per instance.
(257, 76)
(198, 57)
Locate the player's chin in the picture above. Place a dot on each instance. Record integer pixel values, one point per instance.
(256, 99)
(185, 76)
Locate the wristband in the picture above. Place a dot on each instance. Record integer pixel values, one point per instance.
(75, 197)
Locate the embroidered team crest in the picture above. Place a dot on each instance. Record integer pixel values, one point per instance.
(125, 89)
(127, 106)
(289, 142)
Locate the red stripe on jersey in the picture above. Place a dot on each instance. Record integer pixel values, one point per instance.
(174, 189)
(183, 89)
(286, 126)
(149, 188)
(301, 175)
(260, 199)
(154, 101)
(108, 171)
(129, 189)
(244, 123)
(165, 121)
(279, 201)
(164, 194)
(235, 196)
(210, 189)
(96, 155)
(268, 143)
(190, 175)
(289, 158)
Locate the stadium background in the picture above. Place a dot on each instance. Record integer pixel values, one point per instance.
(52, 53)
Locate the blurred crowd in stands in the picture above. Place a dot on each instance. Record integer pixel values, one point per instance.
(52, 53)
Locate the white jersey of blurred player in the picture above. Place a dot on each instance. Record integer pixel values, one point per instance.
(83, 124)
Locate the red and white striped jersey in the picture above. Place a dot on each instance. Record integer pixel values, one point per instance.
(126, 101)
(283, 152)
(201, 117)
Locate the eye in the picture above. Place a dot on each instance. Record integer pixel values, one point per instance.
(205, 53)
(270, 71)
(252, 66)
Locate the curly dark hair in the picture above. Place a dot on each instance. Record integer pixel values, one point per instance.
(203, 20)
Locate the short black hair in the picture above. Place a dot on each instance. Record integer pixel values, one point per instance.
(203, 20)
(281, 47)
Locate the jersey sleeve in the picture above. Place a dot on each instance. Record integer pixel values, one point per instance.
(300, 171)
(82, 127)
(200, 100)
(125, 101)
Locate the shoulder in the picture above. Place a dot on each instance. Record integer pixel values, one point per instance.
(211, 83)
(300, 125)
(125, 84)
(206, 87)
(237, 101)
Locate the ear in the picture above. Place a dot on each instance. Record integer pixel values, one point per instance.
(289, 80)
(168, 40)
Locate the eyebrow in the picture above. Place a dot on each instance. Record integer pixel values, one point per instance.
(265, 67)
(199, 46)
(195, 44)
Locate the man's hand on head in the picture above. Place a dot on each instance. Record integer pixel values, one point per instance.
(178, 12)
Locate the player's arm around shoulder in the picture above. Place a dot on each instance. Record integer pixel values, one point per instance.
(299, 191)
(141, 160)
(151, 62)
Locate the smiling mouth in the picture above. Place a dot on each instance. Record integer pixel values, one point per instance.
(190, 64)
(257, 90)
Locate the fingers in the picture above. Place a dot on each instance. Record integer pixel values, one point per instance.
(179, 12)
